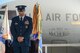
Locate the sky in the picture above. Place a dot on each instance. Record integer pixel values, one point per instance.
(5, 1)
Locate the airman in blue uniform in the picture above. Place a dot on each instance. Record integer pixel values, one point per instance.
(21, 28)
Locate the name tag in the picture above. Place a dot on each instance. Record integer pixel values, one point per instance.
(16, 23)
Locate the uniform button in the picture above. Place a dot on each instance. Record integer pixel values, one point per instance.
(20, 30)
(21, 27)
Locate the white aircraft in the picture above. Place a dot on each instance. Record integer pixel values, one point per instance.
(61, 19)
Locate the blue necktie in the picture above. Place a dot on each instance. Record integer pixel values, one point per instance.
(21, 18)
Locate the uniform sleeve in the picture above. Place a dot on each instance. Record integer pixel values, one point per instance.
(30, 27)
(13, 31)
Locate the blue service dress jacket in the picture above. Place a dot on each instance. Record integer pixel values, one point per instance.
(21, 28)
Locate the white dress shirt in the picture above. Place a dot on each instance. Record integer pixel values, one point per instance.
(22, 17)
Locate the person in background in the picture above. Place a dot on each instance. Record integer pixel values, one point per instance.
(2, 43)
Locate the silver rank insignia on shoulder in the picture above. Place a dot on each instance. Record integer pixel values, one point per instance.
(26, 22)
(16, 23)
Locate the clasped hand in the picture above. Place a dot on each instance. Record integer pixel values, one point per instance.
(20, 39)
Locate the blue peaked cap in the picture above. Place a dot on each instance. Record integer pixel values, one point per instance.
(21, 7)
